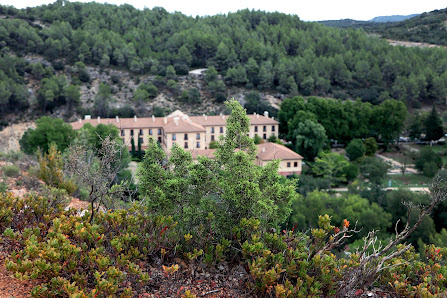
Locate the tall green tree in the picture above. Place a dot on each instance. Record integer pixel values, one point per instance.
(331, 166)
(433, 126)
(191, 190)
(310, 138)
(48, 131)
(390, 119)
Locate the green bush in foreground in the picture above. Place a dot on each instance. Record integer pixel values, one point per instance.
(11, 171)
(112, 255)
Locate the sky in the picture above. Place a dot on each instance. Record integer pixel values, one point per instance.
(307, 10)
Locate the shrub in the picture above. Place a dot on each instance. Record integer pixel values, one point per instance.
(428, 160)
(3, 187)
(370, 146)
(11, 170)
(355, 149)
(51, 172)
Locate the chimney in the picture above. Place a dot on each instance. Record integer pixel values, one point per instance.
(117, 119)
(223, 117)
(263, 148)
(135, 118)
(254, 113)
(88, 117)
(99, 119)
(80, 120)
(205, 116)
(165, 120)
(176, 120)
(153, 118)
(266, 114)
(257, 116)
(273, 118)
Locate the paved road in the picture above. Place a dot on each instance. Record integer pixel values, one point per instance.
(415, 189)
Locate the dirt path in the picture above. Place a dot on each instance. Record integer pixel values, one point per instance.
(396, 166)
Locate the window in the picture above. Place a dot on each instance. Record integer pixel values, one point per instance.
(186, 137)
(273, 127)
(264, 128)
(198, 136)
(122, 133)
(295, 164)
(256, 129)
(141, 140)
(264, 136)
(150, 131)
(159, 140)
(159, 131)
(288, 164)
(221, 129)
(186, 145)
(212, 129)
(173, 137)
(131, 132)
(141, 132)
(198, 144)
(123, 140)
(212, 137)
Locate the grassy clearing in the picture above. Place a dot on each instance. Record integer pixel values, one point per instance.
(409, 180)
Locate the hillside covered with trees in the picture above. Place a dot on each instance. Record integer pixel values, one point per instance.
(265, 52)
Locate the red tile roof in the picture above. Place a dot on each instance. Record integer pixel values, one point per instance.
(271, 151)
(198, 122)
(123, 123)
(182, 125)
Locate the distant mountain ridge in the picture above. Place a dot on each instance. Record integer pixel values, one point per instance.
(391, 19)
(350, 23)
(429, 27)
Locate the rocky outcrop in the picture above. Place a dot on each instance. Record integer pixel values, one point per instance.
(10, 136)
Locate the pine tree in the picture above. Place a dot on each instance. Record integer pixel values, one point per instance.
(433, 126)
(139, 147)
(132, 142)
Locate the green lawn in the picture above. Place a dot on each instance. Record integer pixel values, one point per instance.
(409, 180)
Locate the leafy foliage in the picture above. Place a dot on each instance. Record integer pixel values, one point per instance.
(48, 130)
(193, 191)
(266, 51)
(51, 170)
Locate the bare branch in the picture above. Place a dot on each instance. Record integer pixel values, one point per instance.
(370, 265)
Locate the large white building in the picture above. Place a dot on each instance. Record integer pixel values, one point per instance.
(195, 133)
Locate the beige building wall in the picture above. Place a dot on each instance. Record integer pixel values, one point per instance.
(261, 132)
(283, 165)
(136, 133)
(217, 133)
(180, 140)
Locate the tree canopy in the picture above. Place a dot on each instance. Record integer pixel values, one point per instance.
(266, 51)
(192, 191)
(48, 130)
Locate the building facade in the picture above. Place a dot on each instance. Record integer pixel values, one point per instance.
(188, 132)
(195, 133)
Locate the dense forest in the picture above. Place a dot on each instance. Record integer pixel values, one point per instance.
(257, 50)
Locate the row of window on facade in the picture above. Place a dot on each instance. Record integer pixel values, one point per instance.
(123, 133)
(174, 136)
(295, 164)
(264, 128)
(186, 146)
